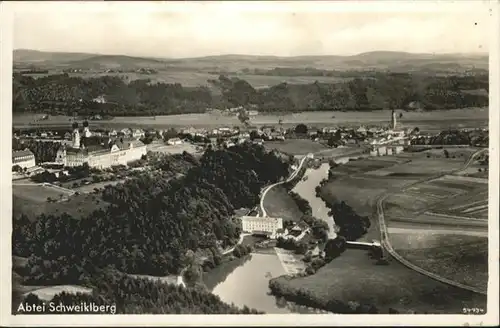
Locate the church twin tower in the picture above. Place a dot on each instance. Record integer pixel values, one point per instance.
(75, 137)
(393, 120)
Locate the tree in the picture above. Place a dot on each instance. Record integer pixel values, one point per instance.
(301, 129)
(335, 247)
(254, 135)
(310, 270)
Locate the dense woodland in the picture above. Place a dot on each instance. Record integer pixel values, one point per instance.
(44, 151)
(62, 94)
(351, 225)
(152, 222)
(143, 296)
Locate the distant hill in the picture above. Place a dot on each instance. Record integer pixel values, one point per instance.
(26, 56)
(369, 60)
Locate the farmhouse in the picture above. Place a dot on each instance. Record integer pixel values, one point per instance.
(114, 152)
(261, 225)
(23, 158)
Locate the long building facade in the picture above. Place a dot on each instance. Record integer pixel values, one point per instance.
(23, 158)
(261, 225)
(111, 152)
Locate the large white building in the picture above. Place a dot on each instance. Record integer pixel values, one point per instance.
(23, 158)
(261, 225)
(117, 151)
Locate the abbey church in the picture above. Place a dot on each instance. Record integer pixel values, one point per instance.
(103, 154)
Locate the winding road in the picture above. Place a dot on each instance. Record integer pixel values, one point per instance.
(294, 174)
(291, 177)
(386, 243)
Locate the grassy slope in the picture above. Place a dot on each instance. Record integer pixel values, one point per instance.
(354, 277)
(461, 258)
(279, 204)
(77, 206)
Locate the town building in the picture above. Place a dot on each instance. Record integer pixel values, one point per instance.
(261, 225)
(174, 141)
(276, 136)
(23, 158)
(126, 132)
(258, 141)
(118, 151)
(138, 134)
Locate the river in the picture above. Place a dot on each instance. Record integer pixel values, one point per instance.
(307, 190)
(246, 282)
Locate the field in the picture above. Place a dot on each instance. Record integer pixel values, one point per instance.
(77, 206)
(428, 189)
(461, 258)
(458, 196)
(453, 153)
(426, 121)
(38, 193)
(171, 149)
(296, 146)
(354, 277)
(195, 79)
(366, 165)
(420, 167)
(434, 204)
(278, 203)
(361, 194)
(405, 204)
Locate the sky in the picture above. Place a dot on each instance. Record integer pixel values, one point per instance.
(179, 29)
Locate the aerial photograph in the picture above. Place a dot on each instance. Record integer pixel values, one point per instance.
(249, 162)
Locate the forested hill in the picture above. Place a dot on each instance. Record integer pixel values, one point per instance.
(62, 94)
(139, 296)
(153, 223)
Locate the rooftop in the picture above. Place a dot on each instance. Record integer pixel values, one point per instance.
(21, 153)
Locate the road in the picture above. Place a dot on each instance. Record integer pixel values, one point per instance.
(294, 174)
(242, 235)
(386, 243)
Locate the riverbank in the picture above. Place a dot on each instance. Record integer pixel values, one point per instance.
(307, 190)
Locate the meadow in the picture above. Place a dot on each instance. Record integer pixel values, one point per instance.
(278, 203)
(461, 258)
(77, 206)
(296, 146)
(38, 193)
(354, 277)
